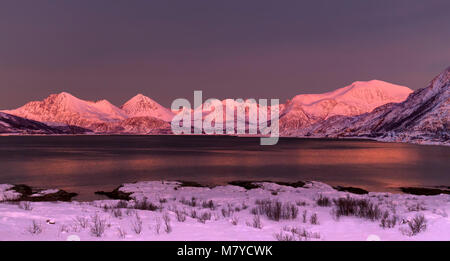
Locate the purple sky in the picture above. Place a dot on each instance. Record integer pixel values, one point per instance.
(229, 49)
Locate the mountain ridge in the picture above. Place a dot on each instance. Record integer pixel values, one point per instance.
(344, 112)
(357, 98)
(66, 109)
(10, 124)
(422, 118)
(143, 106)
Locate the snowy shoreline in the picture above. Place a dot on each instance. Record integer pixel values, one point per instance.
(168, 210)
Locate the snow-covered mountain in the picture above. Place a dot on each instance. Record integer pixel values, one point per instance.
(234, 112)
(306, 109)
(357, 98)
(143, 106)
(368, 109)
(423, 117)
(135, 125)
(10, 124)
(65, 109)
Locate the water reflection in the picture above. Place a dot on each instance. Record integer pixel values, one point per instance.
(85, 164)
(400, 155)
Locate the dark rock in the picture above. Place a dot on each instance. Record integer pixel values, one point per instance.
(116, 194)
(23, 189)
(61, 195)
(252, 185)
(26, 193)
(245, 184)
(298, 184)
(424, 191)
(191, 184)
(353, 190)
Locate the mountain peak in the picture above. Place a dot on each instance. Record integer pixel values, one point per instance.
(422, 117)
(357, 98)
(358, 91)
(143, 106)
(68, 109)
(376, 87)
(104, 102)
(140, 96)
(64, 95)
(375, 84)
(64, 99)
(370, 83)
(139, 100)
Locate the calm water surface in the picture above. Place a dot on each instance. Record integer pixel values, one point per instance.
(85, 164)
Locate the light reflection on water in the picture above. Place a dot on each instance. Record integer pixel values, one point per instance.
(85, 164)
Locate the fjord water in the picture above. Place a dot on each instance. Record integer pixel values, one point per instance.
(85, 164)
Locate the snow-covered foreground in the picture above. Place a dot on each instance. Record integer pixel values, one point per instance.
(167, 211)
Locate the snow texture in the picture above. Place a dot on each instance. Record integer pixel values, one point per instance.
(228, 217)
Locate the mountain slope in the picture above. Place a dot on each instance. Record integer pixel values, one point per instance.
(135, 125)
(67, 109)
(357, 98)
(10, 124)
(140, 115)
(423, 117)
(143, 106)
